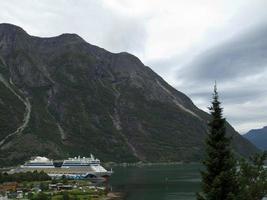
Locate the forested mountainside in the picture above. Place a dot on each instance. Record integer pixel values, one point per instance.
(62, 96)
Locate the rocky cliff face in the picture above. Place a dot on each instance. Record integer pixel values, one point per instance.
(62, 96)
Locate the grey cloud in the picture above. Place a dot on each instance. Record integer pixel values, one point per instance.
(164, 66)
(244, 108)
(93, 20)
(240, 68)
(245, 117)
(239, 94)
(245, 54)
(101, 25)
(126, 35)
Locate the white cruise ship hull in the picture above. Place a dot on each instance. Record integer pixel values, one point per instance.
(72, 168)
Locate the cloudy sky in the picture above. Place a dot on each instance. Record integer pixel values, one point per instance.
(190, 43)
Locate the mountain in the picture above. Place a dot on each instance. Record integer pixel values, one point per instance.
(258, 137)
(62, 96)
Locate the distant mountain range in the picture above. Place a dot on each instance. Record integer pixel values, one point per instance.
(62, 96)
(258, 137)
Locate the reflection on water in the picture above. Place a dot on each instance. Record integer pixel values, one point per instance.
(157, 182)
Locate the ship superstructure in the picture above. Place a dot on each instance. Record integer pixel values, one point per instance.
(75, 168)
(38, 162)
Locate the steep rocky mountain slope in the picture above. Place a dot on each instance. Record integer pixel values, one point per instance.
(62, 96)
(258, 137)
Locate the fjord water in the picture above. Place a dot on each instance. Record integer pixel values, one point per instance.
(161, 182)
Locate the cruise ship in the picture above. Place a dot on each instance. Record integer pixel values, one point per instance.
(73, 168)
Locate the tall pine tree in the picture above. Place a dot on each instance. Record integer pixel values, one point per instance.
(219, 177)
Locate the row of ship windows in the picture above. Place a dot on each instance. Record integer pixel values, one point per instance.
(63, 164)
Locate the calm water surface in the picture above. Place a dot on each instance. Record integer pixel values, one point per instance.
(173, 182)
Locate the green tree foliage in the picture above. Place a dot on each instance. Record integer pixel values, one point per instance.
(30, 195)
(219, 178)
(42, 196)
(27, 176)
(65, 196)
(44, 186)
(65, 180)
(54, 181)
(252, 178)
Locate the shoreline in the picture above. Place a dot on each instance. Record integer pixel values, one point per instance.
(141, 164)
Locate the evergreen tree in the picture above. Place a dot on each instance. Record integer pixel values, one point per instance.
(219, 177)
